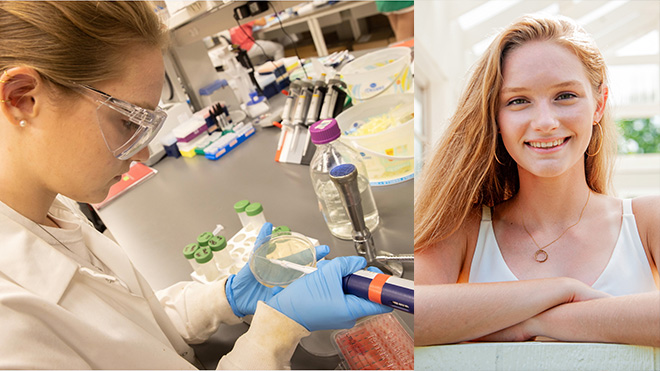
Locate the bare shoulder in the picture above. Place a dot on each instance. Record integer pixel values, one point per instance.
(647, 215)
(442, 262)
(647, 207)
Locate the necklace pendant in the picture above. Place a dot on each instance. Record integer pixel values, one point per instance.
(540, 256)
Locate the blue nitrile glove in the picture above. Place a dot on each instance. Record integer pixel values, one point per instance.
(244, 291)
(317, 300)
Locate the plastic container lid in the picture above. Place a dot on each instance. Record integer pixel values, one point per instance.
(217, 243)
(215, 85)
(204, 238)
(254, 209)
(168, 139)
(292, 247)
(324, 131)
(189, 250)
(203, 255)
(241, 205)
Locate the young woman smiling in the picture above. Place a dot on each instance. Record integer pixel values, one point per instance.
(515, 205)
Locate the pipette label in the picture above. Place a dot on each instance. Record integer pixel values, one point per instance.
(376, 288)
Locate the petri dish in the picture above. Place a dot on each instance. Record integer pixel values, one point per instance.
(292, 247)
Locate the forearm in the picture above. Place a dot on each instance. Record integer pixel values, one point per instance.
(197, 309)
(267, 345)
(631, 319)
(460, 312)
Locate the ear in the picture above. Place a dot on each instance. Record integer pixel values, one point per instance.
(601, 102)
(22, 92)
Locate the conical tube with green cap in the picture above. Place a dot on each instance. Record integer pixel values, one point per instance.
(189, 254)
(204, 256)
(256, 217)
(240, 207)
(218, 245)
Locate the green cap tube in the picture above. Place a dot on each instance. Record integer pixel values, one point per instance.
(204, 238)
(189, 250)
(283, 229)
(203, 255)
(241, 205)
(254, 209)
(217, 243)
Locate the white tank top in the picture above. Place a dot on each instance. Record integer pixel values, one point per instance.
(627, 272)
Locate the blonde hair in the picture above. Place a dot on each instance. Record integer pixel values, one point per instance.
(465, 171)
(76, 41)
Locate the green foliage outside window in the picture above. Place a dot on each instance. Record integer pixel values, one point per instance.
(641, 135)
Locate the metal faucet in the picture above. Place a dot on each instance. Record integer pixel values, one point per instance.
(345, 178)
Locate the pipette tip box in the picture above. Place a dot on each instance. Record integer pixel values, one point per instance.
(229, 142)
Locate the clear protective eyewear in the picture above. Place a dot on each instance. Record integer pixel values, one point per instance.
(125, 127)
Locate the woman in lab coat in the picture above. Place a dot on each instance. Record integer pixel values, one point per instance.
(69, 296)
(514, 205)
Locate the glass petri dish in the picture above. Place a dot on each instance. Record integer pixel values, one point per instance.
(289, 246)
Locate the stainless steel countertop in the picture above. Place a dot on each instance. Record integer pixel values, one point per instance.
(188, 196)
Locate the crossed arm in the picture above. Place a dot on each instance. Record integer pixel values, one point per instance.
(560, 308)
(631, 319)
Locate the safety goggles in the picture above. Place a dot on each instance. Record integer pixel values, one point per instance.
(126, 128)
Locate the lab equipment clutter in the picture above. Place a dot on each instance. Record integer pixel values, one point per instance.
(257, 105)
(307, 102)
(381, 129)
(189, 130)
(331, 152)
(378, 73)
(229, 141)
(333, 101)
(218, 90)
(227, 257)
(169, 144)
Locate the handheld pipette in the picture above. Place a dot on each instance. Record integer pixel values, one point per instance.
(380, 288)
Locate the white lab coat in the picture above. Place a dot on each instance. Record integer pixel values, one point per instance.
(56, 314)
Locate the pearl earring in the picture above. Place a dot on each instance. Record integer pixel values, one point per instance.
(22, 123)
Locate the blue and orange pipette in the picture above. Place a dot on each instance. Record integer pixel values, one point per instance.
(395, 292)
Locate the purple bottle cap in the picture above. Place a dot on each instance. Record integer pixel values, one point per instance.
(324, 131)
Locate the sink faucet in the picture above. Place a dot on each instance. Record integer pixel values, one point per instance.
(345, 178)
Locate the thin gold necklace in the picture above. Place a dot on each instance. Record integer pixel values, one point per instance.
(541, 255)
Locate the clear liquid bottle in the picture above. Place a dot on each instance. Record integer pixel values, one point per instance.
(331, 152)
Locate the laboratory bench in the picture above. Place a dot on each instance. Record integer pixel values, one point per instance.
(188, 196)
(323, 16)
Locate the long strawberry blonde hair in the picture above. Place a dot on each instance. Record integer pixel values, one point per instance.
(470, 166)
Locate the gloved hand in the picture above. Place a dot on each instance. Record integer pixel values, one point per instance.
(244, 291)
(317, 300)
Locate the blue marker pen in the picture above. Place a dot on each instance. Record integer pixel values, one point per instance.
(380, 288)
